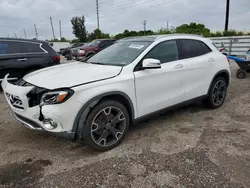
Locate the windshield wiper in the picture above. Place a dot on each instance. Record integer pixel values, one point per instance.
(97, 63)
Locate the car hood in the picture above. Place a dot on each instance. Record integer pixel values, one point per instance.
(71, 74)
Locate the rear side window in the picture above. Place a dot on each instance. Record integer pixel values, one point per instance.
(165, 52)
(15, 47)
(9, 47)
(193, 48)
(31, 47)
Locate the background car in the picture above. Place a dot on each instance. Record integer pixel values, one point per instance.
(64, 51)
(94, 47)
(20, 56)
(74, 51)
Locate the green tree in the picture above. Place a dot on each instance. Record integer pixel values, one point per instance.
(193, 28)
(55, 40)
(63, 39)
(97, 34)
(79, 29)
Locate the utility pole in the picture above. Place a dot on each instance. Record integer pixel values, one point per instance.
(167, 25)
(60, 29)
(36, 32)
(144, 26)
(52, 27)
(97, 14)
(15, 35)
(24, 34)
(227, 14)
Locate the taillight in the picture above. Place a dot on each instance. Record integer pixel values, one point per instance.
(56, 58)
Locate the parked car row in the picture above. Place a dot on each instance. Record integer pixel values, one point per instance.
(97, 100)
(81, 51)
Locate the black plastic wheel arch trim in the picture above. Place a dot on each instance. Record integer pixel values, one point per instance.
(221, 71)
(95, 100)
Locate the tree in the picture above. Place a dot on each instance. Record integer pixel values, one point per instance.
(63, 40)
(55, 40)
(79, 29)
(193, 28)
(97, 34)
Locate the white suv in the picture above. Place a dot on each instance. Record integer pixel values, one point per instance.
(96, 101)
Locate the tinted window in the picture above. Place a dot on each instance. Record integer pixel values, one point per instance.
(10, 47)
(106, 43)
(204, 48)
(30, 47)
(165, 52)
(193, 48)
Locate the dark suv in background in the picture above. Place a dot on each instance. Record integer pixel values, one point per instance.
(19, 57)
(94, 47)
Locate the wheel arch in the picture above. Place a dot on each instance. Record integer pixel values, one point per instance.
(223, 73)
(121, 97)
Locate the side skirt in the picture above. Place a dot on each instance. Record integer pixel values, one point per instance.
(174, 107)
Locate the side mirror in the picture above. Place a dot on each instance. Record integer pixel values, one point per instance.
(151, 64)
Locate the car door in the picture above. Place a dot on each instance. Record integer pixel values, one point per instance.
(11, 59)
(157, 89)
(198, 60)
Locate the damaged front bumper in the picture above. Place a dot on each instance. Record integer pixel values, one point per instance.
(35, 117)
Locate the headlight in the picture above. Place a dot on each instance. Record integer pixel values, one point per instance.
(56, 97)
(81, 52)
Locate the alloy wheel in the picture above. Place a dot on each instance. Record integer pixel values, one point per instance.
(108, 126)
(219, 92)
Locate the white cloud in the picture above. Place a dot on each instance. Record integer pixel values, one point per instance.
(116, 15)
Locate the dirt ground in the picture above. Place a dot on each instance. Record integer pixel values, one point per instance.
(189, 147)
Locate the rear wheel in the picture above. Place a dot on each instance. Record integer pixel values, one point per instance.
(241, 74)
(217, 93)
(106, 125)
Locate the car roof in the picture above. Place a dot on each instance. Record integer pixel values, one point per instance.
(152, 38)
(24, 40)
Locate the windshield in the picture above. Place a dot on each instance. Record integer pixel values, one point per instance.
(121, 53)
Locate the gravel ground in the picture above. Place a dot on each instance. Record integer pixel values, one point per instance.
(189, 147)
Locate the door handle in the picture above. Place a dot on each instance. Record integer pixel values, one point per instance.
(179, 66)
(24, 59)
(210, 59)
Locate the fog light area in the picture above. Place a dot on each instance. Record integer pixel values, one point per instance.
(49, 124)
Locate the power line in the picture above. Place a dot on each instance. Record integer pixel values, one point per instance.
(24, 34)
(133, 11)
(53, 32)
(97, 14)
(227, 15)
(60, 29)
(36, 32)
(144, 26)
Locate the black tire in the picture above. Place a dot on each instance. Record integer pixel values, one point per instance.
(241, 74)
(96, 126)
(210, 101)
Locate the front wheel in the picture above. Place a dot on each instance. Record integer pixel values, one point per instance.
(106, 125)
(217, 93)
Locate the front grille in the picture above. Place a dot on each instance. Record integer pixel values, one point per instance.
(15, 101)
